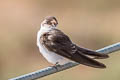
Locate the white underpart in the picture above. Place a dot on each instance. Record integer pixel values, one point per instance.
(49, 56)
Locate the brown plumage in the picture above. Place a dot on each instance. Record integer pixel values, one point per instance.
(56, 41)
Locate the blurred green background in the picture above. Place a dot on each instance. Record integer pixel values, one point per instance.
(89, 23)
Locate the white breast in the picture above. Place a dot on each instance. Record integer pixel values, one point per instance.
(50, 56)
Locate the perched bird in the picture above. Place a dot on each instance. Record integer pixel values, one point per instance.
(57, 47)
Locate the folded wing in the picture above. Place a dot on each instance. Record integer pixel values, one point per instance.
(58, 42)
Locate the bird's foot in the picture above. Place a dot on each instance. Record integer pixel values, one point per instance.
(56, 66)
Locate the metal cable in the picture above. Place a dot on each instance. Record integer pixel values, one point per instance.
(51, 70)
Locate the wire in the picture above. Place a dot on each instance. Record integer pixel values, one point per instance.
(51, 70)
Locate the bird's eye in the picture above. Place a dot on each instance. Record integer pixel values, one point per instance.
(48, 22)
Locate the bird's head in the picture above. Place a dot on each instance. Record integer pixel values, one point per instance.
(50, 22)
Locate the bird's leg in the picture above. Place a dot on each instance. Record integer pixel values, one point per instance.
(57, 63)
(56, 66)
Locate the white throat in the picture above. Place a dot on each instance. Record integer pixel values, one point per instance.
(43, 29)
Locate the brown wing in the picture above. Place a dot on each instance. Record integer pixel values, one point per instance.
(59, 43)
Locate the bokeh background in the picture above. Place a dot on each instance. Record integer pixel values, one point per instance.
(89, 23)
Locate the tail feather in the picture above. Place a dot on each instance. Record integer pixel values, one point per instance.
(89, 52)
(83, 59)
